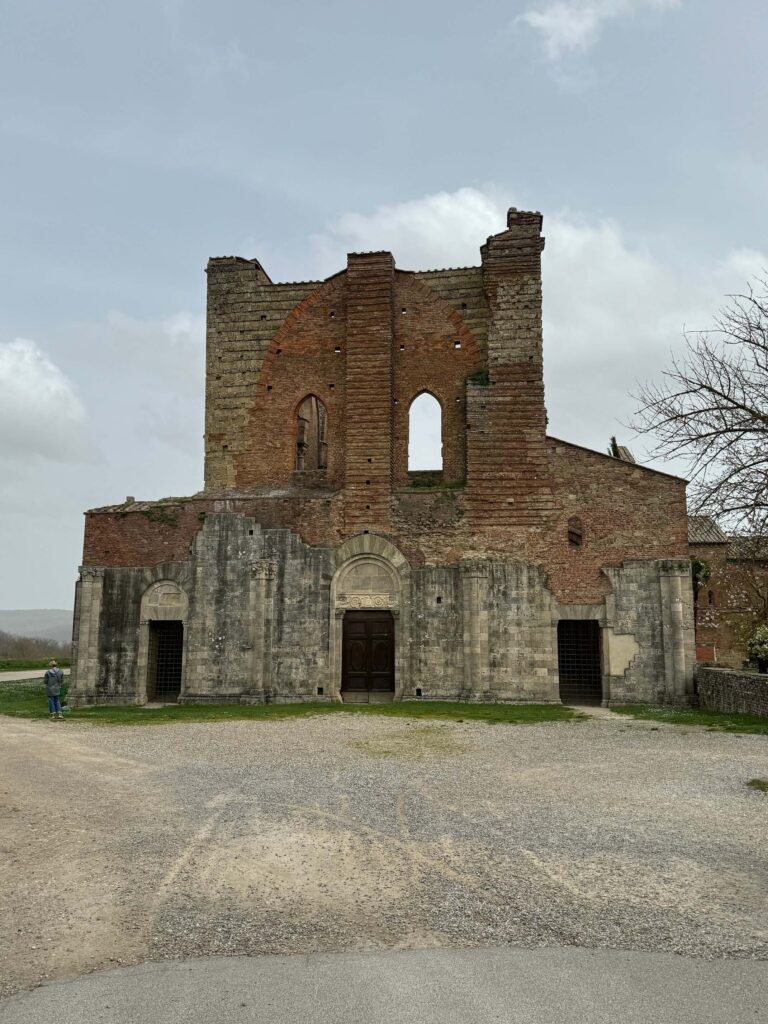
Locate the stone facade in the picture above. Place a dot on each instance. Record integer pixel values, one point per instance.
(310, 516)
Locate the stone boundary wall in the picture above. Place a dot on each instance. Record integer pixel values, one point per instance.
(722, 689)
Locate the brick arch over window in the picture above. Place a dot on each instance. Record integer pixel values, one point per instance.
(311, 419)
(425, 433)
(434, 352)
(305, 358)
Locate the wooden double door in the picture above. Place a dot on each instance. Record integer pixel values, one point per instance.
(368, 657)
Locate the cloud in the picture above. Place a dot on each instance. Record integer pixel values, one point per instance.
(146, 378)
(440, 230)
(40, 413)
(614, 307)
(573, 26)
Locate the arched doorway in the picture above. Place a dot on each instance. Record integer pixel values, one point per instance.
(369, 620)
(161, 659)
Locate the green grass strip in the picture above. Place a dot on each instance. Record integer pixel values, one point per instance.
(27, 664)
(714, 721)
(26, 699)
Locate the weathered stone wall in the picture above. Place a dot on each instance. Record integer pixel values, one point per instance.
(258, 608)
(721, 689)
(256, 553)
(651, 603)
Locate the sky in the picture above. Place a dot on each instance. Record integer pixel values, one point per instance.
(140, 139)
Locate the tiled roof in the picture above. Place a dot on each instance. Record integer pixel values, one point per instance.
(704, 530)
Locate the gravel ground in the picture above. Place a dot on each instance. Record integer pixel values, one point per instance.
(345, 833)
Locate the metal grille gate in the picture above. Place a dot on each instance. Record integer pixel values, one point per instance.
(166, 646)
(578, 661)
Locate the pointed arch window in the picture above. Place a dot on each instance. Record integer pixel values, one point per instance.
(311, 429)
(425, 433)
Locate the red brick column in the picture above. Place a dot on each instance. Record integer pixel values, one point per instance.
(369, 398)
(507, 474)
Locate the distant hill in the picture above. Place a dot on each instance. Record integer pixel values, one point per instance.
(46, 623)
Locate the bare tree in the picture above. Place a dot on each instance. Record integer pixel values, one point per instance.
(711, 407)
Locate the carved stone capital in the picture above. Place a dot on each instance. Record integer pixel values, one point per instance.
(471, 569)
(263, 569)
(91, 572)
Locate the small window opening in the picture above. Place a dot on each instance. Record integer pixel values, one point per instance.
(402, 348)
(457, 344)
(403, 310)
(425, 442)
(439, 600)
(337, 349)
(418, 691)
(319, 691)
(367, 508)
(463, 305)
(366, 531)
(370, 460)
(332, 314)
(225, 447)
(710, 597)
(368, 481)
(269, 387)
(575, 532)
(279, 351)
(331, 387)
(311, 444)
(263, 316)
(250, 533)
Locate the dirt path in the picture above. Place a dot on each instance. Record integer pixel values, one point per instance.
(341, 833)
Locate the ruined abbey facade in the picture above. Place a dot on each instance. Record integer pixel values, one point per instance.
(314, 565)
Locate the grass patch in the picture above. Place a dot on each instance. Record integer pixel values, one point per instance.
(25, 698)
(27, 664)
(416, 742)
(714, 721)
(759, 784)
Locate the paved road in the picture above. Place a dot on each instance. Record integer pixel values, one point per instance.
(36, 673)
(478, 986)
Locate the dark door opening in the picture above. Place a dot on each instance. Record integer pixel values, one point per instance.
(368, 657)
(166, 646)
(578, 661)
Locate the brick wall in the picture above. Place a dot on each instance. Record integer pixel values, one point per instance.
(729, 604)
(626, 513)
(366, 342)
(724, 690)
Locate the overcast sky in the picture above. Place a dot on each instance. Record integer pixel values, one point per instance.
(141, 138)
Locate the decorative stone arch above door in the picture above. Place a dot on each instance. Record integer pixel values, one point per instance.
(370, 574)
(162, 601)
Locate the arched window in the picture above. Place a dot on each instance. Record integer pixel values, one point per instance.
(311, 445)
(575, 532)
(425, 436)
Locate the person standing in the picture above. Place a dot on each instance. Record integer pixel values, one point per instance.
(53, 679)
